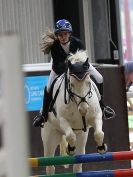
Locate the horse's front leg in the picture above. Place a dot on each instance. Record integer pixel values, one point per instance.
(80, 147)
(51, 139)
(64, 126)
(99, 135)
(70, 136)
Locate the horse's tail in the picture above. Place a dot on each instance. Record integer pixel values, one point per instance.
(63, 147)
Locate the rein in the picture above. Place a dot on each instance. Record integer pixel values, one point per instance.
(84, 125)
(55, 96)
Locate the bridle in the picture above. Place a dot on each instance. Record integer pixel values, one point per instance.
(72, 95)
(82, 99)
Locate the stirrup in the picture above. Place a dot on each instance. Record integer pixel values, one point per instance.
(108, 113)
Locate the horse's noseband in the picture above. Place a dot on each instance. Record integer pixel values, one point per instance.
(80, 75)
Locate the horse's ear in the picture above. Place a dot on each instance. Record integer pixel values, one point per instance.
(69, 64)
(86, 63)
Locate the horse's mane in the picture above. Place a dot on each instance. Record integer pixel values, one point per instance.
(79, 56)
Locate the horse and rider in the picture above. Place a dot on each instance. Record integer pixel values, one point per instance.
(61, 43)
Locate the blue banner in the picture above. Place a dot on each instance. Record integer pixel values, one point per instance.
(34, 91)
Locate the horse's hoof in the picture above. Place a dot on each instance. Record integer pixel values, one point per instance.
(71, 150)
(102, 149)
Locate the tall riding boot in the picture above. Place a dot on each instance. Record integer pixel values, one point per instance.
(100, 88)
(46, 104)
(42, 117)
(108, 112)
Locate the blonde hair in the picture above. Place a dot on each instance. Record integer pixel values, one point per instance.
(47, 41)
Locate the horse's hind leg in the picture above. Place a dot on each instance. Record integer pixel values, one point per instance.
(99, 136)
(51, 139)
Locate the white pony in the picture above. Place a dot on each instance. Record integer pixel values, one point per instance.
(75, 110)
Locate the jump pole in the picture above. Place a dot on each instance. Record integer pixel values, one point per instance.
(84, 158)
(14, 121)
(104, 173)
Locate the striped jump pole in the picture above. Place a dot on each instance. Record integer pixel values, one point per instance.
(104, 173)
(84, 158)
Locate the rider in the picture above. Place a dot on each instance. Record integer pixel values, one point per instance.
(60, 44)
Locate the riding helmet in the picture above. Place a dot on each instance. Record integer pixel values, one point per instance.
(63, 25)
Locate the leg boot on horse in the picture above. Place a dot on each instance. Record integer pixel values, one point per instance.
(108, 112)
(42, 117)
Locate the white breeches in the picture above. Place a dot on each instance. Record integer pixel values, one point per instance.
(52, 77)
(97, 76)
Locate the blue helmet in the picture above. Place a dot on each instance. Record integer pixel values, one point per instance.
(63, 25)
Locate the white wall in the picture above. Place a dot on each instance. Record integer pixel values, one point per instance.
(29, 18)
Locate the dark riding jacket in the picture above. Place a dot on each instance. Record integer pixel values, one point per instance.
(59, 55)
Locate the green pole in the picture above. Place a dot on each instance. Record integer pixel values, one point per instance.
(59, 175)
(57, 160)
